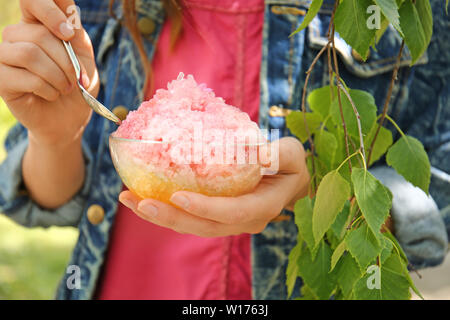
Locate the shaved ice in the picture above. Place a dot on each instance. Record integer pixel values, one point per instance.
(186, 138)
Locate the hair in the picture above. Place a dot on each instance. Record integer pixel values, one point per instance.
(173, 10)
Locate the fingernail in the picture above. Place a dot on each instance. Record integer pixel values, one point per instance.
(148, 209)
(66, 30)
(85, 81)
(180, 200)
(127, 203)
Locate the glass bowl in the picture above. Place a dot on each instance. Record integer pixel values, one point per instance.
(156, 169)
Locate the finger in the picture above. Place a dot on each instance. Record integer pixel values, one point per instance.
(17, 81)
(258, 205)
(281, 156)
(265, 202)
(167, 216)
(84, 77)
(129, 199)
(170, 217)
(291, 155)
(31, 57)
(49, 14)
(88, 76)
(40, 36)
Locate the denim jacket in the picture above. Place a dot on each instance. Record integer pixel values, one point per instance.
(419, 104)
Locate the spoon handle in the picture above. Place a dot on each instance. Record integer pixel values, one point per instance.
(91, 101)
(73, 58)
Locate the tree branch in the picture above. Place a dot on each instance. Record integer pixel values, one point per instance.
(387, 100)
(338, 79)
(311, 142)
(358, 119)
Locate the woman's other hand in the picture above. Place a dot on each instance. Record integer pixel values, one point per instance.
(222, 216)
(37, 79)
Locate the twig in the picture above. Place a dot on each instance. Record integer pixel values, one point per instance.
(358, 119)
(387, 100)
(354, 150)
(330, 67)
(355, 216)
(311, 142)
(330, 71)
(414, 270)
(395, 125)
(338, 79)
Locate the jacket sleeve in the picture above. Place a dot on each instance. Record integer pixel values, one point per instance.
(418, 224)
(14, 200)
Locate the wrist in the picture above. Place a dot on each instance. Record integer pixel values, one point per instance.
(54, 145)
(52, 174)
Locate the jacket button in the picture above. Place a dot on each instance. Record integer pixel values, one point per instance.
(95, 214)
(358, 57)
(276, 111)
(121, 112)
(146, 25)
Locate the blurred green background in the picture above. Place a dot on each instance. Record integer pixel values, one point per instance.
(32, 261)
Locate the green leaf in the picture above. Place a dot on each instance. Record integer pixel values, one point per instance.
(326, 146)
(399, 251)
(411, 283)
(332, 239)
(382, 143)
(363, 245)
(390, 11)
(340, 152)
(303, 219)
(351, 23)
(397, 246)
(338, 294)
(387, 249)
(408, 157)
(337, 254)
(393, 282)
(320, 168)
(416, 21)
(312, 12)
(292, 268)
(339, 225)
(373, 198)
(348, 272)
(295, 122)
(319, 100)
(331, 195)
(307, 293)
(367, 109)
(446, 6)
(315, 273)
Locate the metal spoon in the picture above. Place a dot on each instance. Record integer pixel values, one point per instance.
(91, 101)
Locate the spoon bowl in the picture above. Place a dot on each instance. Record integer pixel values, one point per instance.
(91, 101)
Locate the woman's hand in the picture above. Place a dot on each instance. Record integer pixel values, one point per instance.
(37, 79)
(222, 216)
(39, 86)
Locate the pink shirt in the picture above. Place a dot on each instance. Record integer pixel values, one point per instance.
(221, 46)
